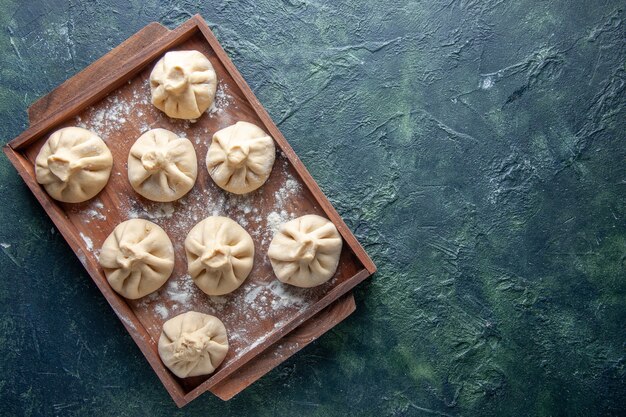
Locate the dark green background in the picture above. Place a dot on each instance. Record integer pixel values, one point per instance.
(476, 149)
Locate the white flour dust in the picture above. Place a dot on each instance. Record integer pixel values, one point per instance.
(162, 311)
(88, 241)
(222, 100)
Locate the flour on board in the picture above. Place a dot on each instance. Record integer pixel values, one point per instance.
(151, 211)
(260, 302)
(94, 211)
(182, 291)
(162, 311)
(88, 241)
(114, 111)
(221, 102)
(104, 119)
(93, 214)
(275, 219)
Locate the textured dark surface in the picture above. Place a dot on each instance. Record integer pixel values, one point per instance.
(476, 148)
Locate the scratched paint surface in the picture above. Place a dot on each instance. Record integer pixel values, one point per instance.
(476, 148)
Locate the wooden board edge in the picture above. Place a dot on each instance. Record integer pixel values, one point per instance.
(113, 80)
(286, 347)
(49, 103)
(317, 192)
(330, 297)
(132, 324)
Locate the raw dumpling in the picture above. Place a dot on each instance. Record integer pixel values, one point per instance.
(219, 255)
(137, 258)
(162, 166)
(183, 84)
(193, 344)
(305, 251)
(73, 165)
(240, 157)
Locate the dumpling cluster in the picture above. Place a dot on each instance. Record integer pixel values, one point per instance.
(137, 258)
(220, 254)
(305, 251)
(162, 166)
(241, 157)
(73, 165)
(183, 84)
(193, 344)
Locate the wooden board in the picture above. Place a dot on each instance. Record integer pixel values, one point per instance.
(279, 351)
(260, 312)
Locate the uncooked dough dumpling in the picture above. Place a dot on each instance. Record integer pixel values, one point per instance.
(73, 165)
(193, 344)
(137, 258)
(162, 166)
(219, 255)
(241, 157)
(305, 251)
(183, 84)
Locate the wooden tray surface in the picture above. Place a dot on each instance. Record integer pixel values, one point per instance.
(262, 310)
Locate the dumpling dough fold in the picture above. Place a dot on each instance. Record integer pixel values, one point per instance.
(162, 166)
(137, 258)
(193, 344)
(183, 84)
(73, 165)
(305, 251)
(220, 254)
(241, 157)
